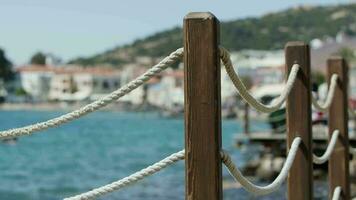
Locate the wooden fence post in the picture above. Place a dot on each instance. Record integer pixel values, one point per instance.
(298, 114)
(338, 119)
(202, 107)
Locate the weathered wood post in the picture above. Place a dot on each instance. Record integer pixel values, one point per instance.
(338, 119)
(298, 114)
(202, 107)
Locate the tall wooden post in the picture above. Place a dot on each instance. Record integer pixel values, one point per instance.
(298, 107)
(338, 120)
(202, 107)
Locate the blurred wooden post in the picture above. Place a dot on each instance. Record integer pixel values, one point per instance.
(338, 120)
(202, 107)
(298, 114)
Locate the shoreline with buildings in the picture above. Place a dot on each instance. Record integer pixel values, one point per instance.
(66, 87)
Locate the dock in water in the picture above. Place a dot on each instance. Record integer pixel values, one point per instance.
(265, 137)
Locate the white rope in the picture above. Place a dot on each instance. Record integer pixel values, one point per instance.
(95, 193)
(330, 96)
(27, 130)
(276, 104)
(262, 190)
(325, 157)
(336, 194)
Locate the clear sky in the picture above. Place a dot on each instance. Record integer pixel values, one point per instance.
(72, 28)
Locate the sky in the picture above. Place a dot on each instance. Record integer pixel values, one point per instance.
(76, 28)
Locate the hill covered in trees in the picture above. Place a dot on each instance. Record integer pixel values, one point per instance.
(270, 31)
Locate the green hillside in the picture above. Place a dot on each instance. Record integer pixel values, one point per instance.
(270, 31)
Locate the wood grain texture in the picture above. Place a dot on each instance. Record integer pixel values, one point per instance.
(338, 119)
(202, 107)
(298, 106)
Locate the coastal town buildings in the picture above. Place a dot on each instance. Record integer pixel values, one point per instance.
(77, 84)
(168, 92)
(48, 83)
(129, 73)
(67, 86)
(266, 67)
(262, 71)
(73, 83)
(35, 81)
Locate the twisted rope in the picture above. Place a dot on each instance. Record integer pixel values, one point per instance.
(95, 193)
(262, 190)
(336, 194)
(276, 104)
(27, 130)
(330, 96)
(325, 157)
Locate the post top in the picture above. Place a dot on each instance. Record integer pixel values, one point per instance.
(336, 57)
(295, 43)
(200, 15)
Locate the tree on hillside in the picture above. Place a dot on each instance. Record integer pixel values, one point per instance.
(38, 59)
(6, 72)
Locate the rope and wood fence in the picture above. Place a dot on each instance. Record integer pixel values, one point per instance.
(203, 153)
(203, 121)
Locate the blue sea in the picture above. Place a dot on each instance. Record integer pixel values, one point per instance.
(101, 148)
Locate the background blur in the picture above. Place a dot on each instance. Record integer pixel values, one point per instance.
(56, 56)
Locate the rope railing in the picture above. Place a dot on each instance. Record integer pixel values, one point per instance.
(336, 193)
(330, 96)
(325, 157)
(173, 57)
(263, 190)
(158, 166)
(276, 104)
(156, 69)
(225, 157)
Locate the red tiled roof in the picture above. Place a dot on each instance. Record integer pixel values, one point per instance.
(68, 70)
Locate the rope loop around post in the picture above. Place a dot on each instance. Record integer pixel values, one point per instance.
(325, 157)
(236, 80)
(337, 193)
(330, 96)
(262, 190)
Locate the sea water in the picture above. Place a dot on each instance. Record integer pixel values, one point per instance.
(101, 148)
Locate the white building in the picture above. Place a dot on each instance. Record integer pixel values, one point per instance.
(167, 93)
(35, 80)
(129, 73)
(76, 84)
(68, 83)
(104, 82)
(67, 86)
(264, 67)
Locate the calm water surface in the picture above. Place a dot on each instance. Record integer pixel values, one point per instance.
(101, 148)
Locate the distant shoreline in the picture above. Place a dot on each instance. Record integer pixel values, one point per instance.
(56, 106)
